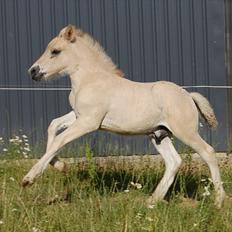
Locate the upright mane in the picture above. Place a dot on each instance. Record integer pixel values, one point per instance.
(99, 50)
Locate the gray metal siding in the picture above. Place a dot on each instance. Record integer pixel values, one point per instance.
(176, 40)
(228, 40)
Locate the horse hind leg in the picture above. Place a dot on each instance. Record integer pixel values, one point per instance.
(172, 162)
(207, 153)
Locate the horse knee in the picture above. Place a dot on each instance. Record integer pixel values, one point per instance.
(52, 127)
(210, 149)
(176, 164)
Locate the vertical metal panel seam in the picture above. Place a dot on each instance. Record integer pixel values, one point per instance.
(6, 58)
(206, 41)
(209, 133)
(129, 42)
(90, 17)
(193, 43)
(54, 27)
(29, 45)
(115, 10)
(142, 49)
(17, 61)
(78, 9)
(154, 32)
(167, 39)
(141, 40)
(152, 38)
(103, 22)
(41, 31)
(228, 60)
(180, 48)
(66, 12)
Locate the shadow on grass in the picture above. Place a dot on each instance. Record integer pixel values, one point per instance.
(107, 181)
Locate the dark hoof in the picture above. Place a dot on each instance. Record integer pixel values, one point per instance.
(26, 183)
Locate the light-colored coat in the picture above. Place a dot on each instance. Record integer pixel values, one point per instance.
(102, 99)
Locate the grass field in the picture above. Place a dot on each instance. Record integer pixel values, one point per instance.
(105, 200)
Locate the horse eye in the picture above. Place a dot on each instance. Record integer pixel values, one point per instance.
(55, 52)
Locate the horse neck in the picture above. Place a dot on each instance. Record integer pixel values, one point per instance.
(91, 60)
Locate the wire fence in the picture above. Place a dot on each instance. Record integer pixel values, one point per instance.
(68, 88)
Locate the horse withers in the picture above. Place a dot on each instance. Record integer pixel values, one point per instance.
(102, 99)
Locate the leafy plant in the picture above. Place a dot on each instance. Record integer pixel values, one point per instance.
(91, 168)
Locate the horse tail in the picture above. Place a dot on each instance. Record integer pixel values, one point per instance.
(205, 109)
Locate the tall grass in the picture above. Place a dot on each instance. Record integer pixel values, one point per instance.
(106, 200)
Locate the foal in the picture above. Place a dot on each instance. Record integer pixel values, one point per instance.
(101, 99)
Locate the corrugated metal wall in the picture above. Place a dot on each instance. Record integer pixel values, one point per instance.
(177, 40)
(228, 40)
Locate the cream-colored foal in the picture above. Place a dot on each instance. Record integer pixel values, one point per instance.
(102, 99)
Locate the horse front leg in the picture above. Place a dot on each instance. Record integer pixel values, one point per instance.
(80, 127)
(55, 126)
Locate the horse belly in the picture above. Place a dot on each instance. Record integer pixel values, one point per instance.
(131, 121)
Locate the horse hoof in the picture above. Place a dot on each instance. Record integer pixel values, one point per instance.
(26, 183)
(61, 166)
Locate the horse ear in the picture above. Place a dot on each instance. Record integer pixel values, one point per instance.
(70, 33)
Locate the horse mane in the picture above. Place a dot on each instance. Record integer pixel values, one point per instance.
(95, 46)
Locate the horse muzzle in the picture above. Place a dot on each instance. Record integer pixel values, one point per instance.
(35, 73)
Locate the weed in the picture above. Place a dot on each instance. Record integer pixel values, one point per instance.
(90, 162)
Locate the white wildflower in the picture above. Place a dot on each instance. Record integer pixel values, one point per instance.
(14, 210)
(203, 180)
(17, 137)
(34, 229)
(195, 224)
(1, 222)
(136, 185)
(1, 139)
(206, 193)
(25, 154)
(201, 125)
(27, 149)
(149, 219)
(138, 215)
(151, 206)
(127, 191)
(5, 149)
(24, 136)
(12, 178)
(26, 144)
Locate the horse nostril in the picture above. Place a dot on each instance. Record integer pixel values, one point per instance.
(34, 70)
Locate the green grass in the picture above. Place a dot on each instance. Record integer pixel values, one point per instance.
(83, 201)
